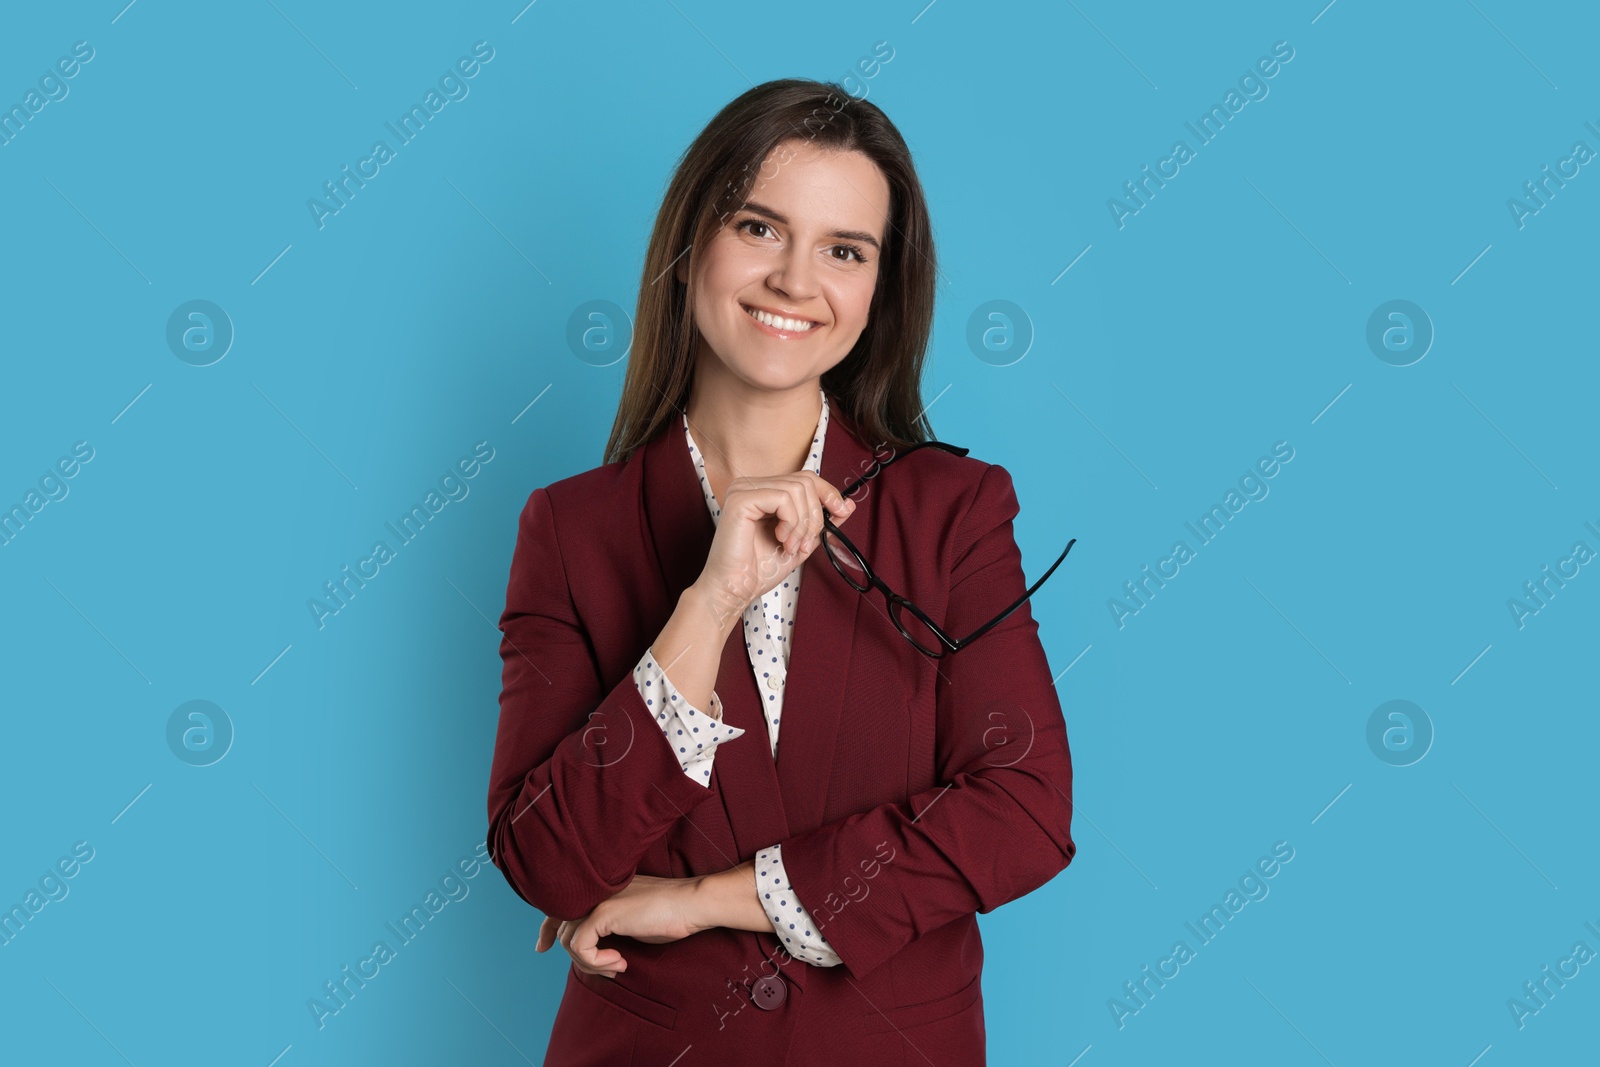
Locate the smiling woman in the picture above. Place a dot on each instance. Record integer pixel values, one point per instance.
(660, 607)
(799, 266)
(785, 155)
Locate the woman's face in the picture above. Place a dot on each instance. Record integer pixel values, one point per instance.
(803, 246)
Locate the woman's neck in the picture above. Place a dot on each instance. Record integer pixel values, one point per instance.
(752, 433)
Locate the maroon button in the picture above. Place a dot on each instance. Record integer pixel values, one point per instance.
(769, 991)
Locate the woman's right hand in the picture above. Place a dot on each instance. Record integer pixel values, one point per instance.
(769, 526)
(553, 931)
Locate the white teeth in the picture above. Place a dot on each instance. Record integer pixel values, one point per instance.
(790, 325)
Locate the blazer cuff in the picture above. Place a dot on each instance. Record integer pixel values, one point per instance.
(692, 734)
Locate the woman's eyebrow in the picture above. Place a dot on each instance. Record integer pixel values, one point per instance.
(848, 235)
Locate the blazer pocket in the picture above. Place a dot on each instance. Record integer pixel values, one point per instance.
(621, 996)
(927, 1012)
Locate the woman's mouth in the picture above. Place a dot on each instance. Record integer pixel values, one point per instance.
(778, 325)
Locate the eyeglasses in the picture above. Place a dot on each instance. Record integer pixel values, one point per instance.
(923, 633)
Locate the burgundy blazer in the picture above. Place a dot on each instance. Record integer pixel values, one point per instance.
(913, 793)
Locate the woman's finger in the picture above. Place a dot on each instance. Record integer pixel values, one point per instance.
(811, 509)
(790, 530)
(770, 499)
(803, 498)
(565, 932)
(835, 501)
(829, 496)
(819, 507)
(584, 944)
(824, 500)
(547, 934)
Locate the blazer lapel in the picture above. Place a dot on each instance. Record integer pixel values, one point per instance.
(681, 532)
(819, 662)
(765, 803)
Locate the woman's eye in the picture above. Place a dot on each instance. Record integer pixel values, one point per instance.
(749, 226)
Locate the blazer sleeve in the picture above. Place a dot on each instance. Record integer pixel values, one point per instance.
(583, 781)
(999, 826)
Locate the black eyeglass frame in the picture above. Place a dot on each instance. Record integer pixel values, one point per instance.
(895, 601)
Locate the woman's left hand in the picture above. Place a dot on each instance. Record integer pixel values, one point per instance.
(649, 909)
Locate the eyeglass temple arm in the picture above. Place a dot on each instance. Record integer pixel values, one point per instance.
(957, 450)
(986, 627)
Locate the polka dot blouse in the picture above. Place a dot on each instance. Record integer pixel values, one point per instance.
(694, 734)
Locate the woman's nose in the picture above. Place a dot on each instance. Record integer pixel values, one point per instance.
(795, 275)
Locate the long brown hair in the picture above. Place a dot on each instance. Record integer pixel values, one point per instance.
(878, 384)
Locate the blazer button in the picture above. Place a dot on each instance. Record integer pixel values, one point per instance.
(769, 991)
(774, 681)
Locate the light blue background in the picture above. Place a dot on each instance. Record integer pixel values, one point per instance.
(1227, 315)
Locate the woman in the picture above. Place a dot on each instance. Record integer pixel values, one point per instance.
(721, 904)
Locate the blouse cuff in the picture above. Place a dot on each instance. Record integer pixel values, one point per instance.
(693, 734)
(790, 920)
